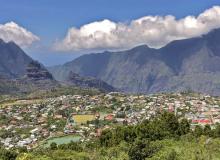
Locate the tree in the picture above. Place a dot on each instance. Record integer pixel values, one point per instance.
(53, 146)
(142, 149)
(106, 138)
(184, 127)
(172, 155)
(208, 131)
(74, 146)
(7, 154)
(217, 131)
(25, 156)
(169, 122)
(22, 149)
(198, 131)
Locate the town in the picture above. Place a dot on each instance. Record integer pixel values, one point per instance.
(34, 123)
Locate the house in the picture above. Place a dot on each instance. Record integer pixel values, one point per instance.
(202, 121)
(58, 116)
(109, 117)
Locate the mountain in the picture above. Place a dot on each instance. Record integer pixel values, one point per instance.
(35, 71)
(189, 64)
(37, 77)
(88, 82)
(13, 61)
(19, 73)
(7, 86)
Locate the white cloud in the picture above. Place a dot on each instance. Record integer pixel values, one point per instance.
(155, 31)
(13, 32)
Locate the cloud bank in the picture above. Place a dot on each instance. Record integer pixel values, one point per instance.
(155, 31)
(13, 32)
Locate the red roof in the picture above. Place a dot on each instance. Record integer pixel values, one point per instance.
(206, 121)
(109, 117)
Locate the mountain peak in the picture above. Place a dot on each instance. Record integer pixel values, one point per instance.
(213, 41)
(8, 43)
(1, 41)
(141, 47)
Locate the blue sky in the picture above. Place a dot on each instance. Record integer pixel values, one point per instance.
(51, 19)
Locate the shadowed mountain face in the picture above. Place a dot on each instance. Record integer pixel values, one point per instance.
(190, 64)
(19, 73)
(35, 71)
(16, 64)
(88, 82)
(13, 60)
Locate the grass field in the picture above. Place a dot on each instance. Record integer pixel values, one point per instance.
(79, 119)
(61, 140)
(21, 102)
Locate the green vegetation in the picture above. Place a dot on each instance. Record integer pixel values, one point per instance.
(41, 94)
(61, 140)
(164, 137)
(63, 90)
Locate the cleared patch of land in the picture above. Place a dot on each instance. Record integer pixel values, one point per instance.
(20, 102)
(81, 119)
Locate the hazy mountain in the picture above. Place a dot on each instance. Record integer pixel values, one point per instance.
(190, 64)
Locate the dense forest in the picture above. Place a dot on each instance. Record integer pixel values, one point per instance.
(164, 137)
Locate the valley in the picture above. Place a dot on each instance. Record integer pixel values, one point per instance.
(110, 80)
(25, 123)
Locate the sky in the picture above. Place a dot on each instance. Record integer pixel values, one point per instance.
(57, 31)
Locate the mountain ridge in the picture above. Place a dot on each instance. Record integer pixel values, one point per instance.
(19, 73)
(188, 64)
